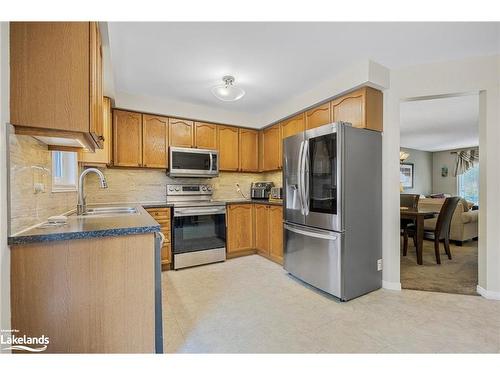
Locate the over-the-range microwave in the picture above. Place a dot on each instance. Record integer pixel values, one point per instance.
(193, 162)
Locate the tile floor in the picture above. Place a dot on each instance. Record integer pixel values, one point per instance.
(251, 305)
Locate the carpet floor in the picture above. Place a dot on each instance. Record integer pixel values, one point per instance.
(458, 275)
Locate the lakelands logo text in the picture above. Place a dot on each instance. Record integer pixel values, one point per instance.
(23, 343)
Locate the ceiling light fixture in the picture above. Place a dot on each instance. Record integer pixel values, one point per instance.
(228, 92)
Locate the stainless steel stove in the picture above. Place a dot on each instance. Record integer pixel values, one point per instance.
(199, 228)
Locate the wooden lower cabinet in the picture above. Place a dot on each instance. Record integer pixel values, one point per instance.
(276, 230)
(262, 229)
(162, 216)
(240, 230)
(269, 231)
(87, 295)
(255, 228)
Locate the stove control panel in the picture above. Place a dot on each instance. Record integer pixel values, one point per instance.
(189, 189)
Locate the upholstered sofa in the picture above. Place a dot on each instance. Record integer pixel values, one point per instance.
(464, 224)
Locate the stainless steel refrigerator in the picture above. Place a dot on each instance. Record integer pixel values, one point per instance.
(332, 178)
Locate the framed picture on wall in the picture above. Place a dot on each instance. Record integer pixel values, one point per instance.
(406, 175)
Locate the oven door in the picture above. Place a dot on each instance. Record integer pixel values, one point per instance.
(193, 162)
(199, 228)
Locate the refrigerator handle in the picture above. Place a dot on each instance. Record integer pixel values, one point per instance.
(299, 179)
(305, 171)
(309, 233)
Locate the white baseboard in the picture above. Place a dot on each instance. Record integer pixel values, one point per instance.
(488, 294)
(390, 285)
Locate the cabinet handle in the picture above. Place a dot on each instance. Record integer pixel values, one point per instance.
(101, 138)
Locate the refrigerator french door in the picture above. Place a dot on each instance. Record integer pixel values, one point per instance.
(312, 166)
(332, 208)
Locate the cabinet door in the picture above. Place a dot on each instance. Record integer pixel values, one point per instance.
(271, 148)
(350, 108)
(181, 133)
(318, 116)
(96, 119)
(127, 139)
(104, 155)
(276, 237)
(262, 228)
(49, 75)
(240, 228)
(293, 126)
(154, 141)
(228, 148)
(249, 150)
(205, 135)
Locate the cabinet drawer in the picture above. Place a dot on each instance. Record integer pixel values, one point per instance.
(162, 215)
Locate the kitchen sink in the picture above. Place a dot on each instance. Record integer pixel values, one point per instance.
(109, 211)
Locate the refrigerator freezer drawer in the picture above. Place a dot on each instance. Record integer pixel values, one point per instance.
(313, 256)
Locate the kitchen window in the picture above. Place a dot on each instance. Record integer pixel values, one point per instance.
(64, 171)
(468, 185)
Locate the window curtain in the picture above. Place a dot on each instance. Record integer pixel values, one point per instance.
(465, 161)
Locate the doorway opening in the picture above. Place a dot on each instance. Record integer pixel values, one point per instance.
(439, 185)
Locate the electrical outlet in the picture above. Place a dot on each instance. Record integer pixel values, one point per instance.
(379, 265)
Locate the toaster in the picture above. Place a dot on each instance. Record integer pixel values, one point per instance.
(261, 189)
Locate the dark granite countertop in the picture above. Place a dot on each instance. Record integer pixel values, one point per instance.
(243, 201)
(79, 227)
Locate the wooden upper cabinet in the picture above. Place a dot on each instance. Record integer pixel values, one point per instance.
(318, 116)
(228, 148)
(276, 239)
(154, 141)
(262, 229)
(240, 228)
(293, 125)
(271, 148)
(181, 132)
(56, 80)
(362, 108)
(103, 156)
(205, 135)
(127, 139)
(96, 119)
(249, 150)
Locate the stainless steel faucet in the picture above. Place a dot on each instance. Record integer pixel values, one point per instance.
(81, 207)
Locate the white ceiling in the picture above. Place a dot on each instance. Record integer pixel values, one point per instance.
(440, 124)
(274, 61)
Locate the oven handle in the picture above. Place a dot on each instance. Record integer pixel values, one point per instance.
(199, 211)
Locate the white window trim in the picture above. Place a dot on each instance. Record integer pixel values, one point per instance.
(60, 188)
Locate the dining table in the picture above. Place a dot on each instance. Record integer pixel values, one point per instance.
(417, 216)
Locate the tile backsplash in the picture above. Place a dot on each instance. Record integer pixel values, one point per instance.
(142, 185)
(30, 162)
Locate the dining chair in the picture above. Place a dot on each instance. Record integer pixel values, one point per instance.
(409, 201)
(442, 230)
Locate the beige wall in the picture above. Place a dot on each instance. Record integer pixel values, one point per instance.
(422, 170)
(30, 161)
(446, 78)
(446, 184)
